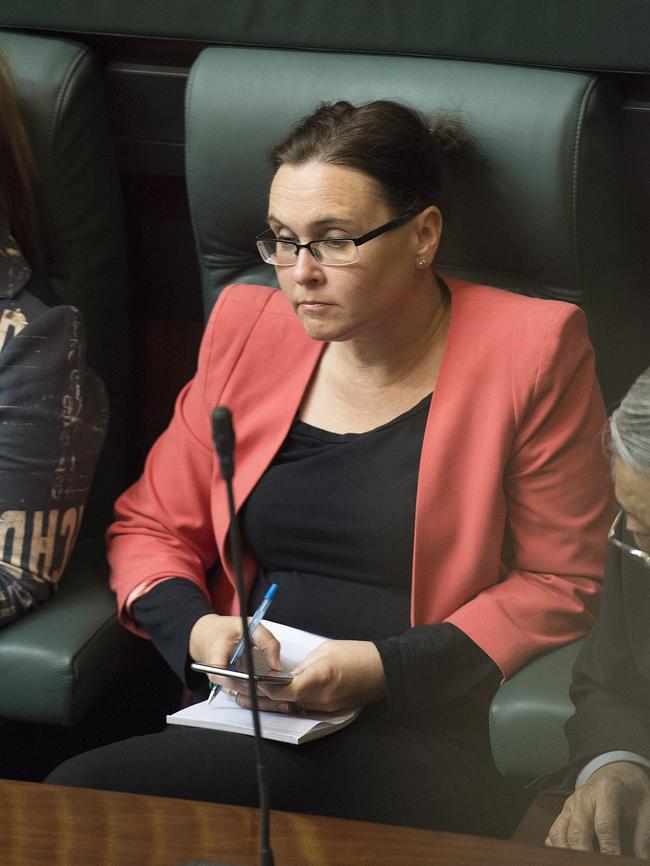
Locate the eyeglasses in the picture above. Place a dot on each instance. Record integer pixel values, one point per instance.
(627, 548)
(334, 252)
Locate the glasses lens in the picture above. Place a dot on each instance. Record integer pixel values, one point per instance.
(335, 251)
(277, 252)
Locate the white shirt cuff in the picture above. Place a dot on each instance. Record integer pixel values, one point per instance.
(609, 758)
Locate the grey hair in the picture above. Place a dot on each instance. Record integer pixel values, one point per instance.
(629, 426)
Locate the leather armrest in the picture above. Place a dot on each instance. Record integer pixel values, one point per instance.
(56, 661)
(528, 713)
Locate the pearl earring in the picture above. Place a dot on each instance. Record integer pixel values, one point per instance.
(422, 262)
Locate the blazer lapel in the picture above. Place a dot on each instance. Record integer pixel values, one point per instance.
(460, 471)
(264, 394)
(434, 521)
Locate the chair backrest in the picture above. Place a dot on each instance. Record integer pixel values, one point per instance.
(548, 215)
(59, 90)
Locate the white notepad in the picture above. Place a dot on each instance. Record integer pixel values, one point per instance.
(223, 714)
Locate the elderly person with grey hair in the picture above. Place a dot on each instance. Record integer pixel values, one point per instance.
(609, 734)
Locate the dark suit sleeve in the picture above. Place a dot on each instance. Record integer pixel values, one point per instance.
(610, 687)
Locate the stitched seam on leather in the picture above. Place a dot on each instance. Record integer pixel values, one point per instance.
(189, 96)
(62, 93)
(574, 180)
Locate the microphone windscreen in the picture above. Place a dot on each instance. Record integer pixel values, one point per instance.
(223, 434)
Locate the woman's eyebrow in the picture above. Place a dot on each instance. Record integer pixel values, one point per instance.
(316, 225)
(278, 224)
(326, 222)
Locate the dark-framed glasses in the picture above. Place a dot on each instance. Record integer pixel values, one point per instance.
(333, 252)
(622, 545)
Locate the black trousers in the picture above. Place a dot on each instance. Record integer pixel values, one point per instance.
(435, 772)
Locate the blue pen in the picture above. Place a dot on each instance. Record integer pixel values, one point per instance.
(256, 619)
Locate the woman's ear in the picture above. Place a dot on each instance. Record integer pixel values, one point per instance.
(428, 226)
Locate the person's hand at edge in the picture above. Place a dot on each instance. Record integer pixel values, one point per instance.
(610, 809)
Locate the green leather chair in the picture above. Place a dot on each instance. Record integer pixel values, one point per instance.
(549, 215)
(528, 713)
(57, 661)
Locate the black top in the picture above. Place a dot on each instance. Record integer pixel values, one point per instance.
(341, 505)
(332, 521)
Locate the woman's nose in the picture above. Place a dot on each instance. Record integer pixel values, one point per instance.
(306, 268)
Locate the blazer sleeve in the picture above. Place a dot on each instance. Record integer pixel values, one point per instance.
(611, 695)
(163, 523)
(558, 495)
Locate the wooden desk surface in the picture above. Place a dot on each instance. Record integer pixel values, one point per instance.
(46, 825)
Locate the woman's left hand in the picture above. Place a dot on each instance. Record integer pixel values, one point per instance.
(337, 675)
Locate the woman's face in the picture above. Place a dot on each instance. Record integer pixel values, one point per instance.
(633, 495)
(317, 201)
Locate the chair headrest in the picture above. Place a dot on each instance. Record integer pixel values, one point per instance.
(59, 91)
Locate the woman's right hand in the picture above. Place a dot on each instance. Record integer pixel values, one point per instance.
(213, 639)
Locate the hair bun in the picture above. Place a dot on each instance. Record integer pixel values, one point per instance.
(454, 144)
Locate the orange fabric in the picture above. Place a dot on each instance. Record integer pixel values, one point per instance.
(514, 493)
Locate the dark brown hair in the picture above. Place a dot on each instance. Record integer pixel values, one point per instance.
(18, 175)
(412, 159)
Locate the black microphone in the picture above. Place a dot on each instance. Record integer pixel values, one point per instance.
(223, 437)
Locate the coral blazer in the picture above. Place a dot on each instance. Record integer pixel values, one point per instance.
(514, 491)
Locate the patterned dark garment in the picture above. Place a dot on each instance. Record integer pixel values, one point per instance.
(53, 418)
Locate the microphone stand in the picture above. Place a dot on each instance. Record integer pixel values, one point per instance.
(224, 442)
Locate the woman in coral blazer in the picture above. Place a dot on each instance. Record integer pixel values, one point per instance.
(418, 465)
(510, 511)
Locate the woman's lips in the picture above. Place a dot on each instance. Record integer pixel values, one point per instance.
(313, 306)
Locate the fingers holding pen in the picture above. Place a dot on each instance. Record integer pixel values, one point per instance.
(268, 644)
(213, 640)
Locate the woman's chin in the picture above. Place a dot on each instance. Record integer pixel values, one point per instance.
(319, 329)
